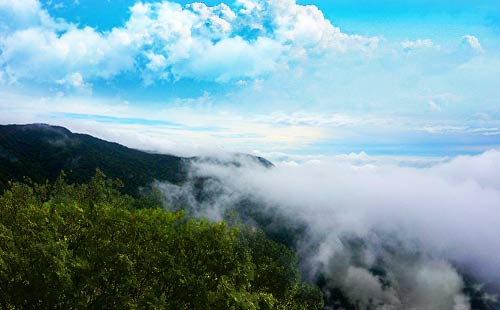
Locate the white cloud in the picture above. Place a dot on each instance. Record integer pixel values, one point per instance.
(415, 224)
(232, 58)
(320, 119)
(450, 209)
(22, 14)
(41, 54)
(217, 43)
(156, 62)
(75, 81)
(420, 43)
(472, 42)
(219, 18)
(196, 41)
(303, 27)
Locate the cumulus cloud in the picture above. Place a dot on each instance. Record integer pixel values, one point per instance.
(41, 54)
(23, 14)
(252, 39)
(75, 81)
(416, 224)
(469, 49)
(165, 40)
(472, 42)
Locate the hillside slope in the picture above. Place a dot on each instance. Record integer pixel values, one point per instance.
(41, 151)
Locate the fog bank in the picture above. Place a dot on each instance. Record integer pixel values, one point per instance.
(417, 224)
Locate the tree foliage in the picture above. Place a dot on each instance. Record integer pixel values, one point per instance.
(90, 247)
(42, 151)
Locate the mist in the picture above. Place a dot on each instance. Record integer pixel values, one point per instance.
(423, 226)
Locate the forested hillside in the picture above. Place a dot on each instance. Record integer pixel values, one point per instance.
(41, 152)
(90, 247)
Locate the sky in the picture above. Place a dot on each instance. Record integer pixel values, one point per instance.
(273, 77)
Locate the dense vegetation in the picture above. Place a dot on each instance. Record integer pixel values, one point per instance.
(89, 246)
(41, 152)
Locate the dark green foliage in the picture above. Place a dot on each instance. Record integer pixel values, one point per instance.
(277, 272)
(41, 152)
(89, 247)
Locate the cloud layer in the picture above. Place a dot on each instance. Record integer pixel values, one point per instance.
(418, 224)
(450, 208)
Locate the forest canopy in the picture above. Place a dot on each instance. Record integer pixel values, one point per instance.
(89, 246)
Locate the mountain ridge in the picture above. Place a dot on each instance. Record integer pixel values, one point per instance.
(41, 151)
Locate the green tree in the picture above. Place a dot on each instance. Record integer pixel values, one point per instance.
(90, 247)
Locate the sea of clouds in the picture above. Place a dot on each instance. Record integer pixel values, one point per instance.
(425, 226)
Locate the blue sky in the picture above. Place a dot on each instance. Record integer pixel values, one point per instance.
(416, 78)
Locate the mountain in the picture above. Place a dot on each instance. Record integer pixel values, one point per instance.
(41, 152)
